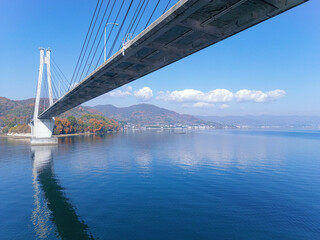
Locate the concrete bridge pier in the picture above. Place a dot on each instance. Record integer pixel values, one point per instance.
(41, 129)
(41, 132)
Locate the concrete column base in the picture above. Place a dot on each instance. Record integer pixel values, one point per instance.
(44, 141)
(41, 132)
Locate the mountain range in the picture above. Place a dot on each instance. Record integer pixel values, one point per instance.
(147, 114)
(259, 121)
(141, 114)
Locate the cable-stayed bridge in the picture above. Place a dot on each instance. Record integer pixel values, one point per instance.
(187, 27)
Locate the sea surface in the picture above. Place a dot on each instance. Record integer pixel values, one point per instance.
(219, 184)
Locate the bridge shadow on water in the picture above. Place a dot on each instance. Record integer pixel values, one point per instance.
(52, 208)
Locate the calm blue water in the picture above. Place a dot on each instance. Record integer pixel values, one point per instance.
(160, 185)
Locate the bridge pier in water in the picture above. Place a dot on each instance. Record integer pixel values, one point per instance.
(41, 129)
(41, 132)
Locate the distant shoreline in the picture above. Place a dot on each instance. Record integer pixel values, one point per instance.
(14, 136)
(74, 134)
(61, 135)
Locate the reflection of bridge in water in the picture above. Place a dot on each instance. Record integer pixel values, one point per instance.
(189, 26)
(52, 208)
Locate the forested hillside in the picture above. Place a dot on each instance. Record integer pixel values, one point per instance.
(15, 116)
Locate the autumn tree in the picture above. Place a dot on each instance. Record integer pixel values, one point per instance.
(92, 123)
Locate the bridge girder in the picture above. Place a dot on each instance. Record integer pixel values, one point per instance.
(189, 26)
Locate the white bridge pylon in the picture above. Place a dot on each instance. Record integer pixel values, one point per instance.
(41, 129)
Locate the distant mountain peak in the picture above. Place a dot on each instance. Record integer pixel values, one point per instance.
(147, 114)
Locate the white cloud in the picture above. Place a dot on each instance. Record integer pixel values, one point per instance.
(202, 99)
(219, 95)
(119, 93)
(144, 94)
(187, 95)
(246, 95)
(205, 100)
(224, 106)
(203, 105)
(192, 95)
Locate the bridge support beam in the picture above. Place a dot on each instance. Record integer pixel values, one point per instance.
(41, 129)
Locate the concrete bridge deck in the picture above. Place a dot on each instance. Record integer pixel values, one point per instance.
(189, 26)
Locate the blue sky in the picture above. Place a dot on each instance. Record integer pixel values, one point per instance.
(271, 68)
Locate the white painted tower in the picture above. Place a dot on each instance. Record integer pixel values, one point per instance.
(41, 129)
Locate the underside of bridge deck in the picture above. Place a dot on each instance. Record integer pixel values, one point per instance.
(189, 26)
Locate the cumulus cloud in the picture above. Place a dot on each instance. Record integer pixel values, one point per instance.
(119, 93)
(187, 95)
(246, 95)
(199, 99)
(219, 96)
(192, 95)
(144, 94)
(203, 105)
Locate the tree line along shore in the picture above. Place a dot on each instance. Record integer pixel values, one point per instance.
(88, 123)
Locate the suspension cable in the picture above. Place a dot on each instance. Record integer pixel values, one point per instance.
(95, 21)
(111, 30)
(84, 42)
(152, 14)
(102, 20)
(117, 36)
(95, 52)
(166, 7)
(141, 17)
(64, 76)
(58, 78)
(133, 20)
